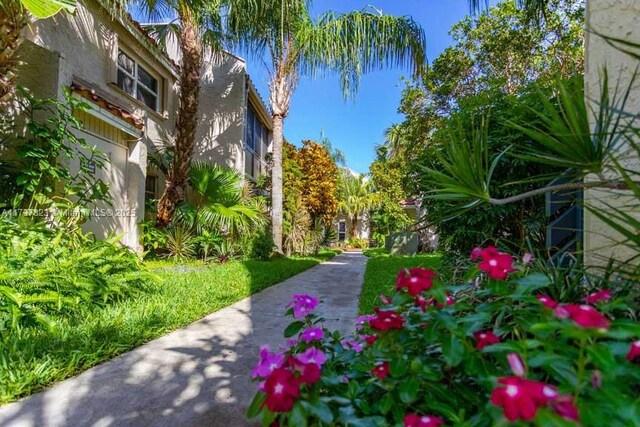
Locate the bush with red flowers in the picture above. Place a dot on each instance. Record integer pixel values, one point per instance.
(510, 345)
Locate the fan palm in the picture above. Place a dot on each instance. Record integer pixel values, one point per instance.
(217, 202)
(357, 197)
(296, 45)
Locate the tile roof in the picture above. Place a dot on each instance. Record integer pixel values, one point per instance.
(104, 100)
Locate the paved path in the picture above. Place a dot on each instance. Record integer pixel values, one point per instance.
(198, 375)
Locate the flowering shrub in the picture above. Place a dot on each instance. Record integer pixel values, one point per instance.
(494, 350)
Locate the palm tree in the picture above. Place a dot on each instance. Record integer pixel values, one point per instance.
(14, 16)
(219, 202)
(197, 27)
(357, 197)
(295, 45)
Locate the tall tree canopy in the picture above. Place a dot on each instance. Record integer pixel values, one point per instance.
(497, 60)
(295, 46)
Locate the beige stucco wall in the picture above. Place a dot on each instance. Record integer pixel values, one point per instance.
(362, 227)
(620, 19)
(85, 45)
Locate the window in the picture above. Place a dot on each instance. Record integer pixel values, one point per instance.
(150, 188)
(342, 230)
(137, 81)
(256, 142)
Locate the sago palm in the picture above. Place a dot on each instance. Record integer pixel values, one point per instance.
(217, 202)
(295, 46)
(357, 198)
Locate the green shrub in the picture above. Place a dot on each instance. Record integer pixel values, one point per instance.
(46, 272)
(262, 245)
(358, 243)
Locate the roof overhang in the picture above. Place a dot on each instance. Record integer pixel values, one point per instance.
(258, 104)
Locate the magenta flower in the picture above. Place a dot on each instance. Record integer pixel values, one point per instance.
(527, 258)
(547, 301)
(269, 361)
(303, 305)
(312, 355)
(600, 296)
(516, 364)
(352, 345)
(312, 334)
(361, 320)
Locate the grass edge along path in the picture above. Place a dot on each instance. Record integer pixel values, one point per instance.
(381, 272)
(34, 359)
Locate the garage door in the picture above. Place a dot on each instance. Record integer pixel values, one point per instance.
(108, 218)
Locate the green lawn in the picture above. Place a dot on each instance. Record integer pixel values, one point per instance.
(33, 359)
(381, 272)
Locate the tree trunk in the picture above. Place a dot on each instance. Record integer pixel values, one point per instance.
(354, 226)
(187, 120)
(276, 182)
(13, 18)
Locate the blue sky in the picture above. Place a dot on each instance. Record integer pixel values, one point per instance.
(357, 125)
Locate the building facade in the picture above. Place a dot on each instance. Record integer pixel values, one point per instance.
(131, 84)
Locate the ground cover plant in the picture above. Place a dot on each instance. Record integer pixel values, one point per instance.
(381, 271)
(34, 357)
(509, 345)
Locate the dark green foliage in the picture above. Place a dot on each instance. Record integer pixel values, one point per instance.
(262, 245)
(459, 123)
(53, 166)
(47, 274)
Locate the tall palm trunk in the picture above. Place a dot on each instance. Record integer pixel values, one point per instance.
(13, 18)
(280, 90)
(187, 120)
(276, 182)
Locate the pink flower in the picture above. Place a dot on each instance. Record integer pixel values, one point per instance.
(516, 364)
(422, 303)
(415, 280)
(415, 420)
(309, 372)
(369, 339)
(634, 352)
(282, 390)
(497, 264)
(485, 338)
(582, 315)
(527, 258)
(302, 304)
(520, 398)
(352, 345)
(361, 320)
(547, 301)
(449, 300)
(269, 361)
(385, 299)
(381, 370)
(386, 320)
(475, 253)
(603, 295)
(564, 406)
(312, 355)
(312, 334)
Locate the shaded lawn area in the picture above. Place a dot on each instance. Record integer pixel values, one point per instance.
(381, 272)
(34, 358)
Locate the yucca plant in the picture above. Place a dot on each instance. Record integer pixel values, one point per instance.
(180, 244)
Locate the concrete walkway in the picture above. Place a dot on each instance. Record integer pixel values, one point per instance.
(198, 375)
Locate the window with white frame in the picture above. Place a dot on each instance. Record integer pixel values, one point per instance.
(137, 82)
